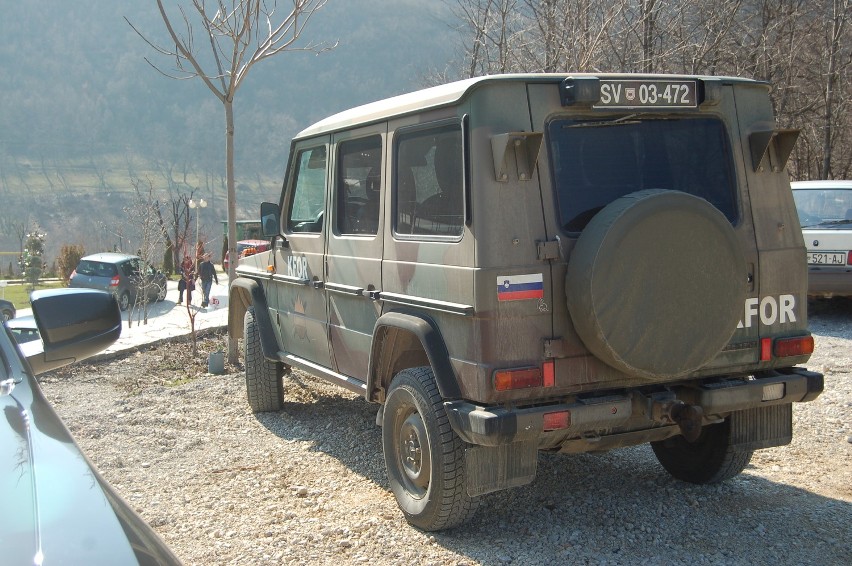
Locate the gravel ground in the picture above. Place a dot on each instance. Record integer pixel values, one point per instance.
(307, 485)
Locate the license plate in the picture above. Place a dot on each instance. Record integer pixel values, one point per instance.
(647, 94)
(827, 258)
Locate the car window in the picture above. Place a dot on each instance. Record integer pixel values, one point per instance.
(823, 206)
(594, 163)
(359, 181)
(429, 182)
(308, 201)
(95, 268)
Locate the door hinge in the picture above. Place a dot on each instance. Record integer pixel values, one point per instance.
(548, 249)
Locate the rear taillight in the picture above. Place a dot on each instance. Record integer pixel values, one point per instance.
(114, 281)
(798, 346)
(523, 378)
(849, 257)
(506, 380)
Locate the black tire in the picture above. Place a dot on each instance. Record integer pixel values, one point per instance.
(424, 457)
(710, 459)
(8, 315)
(124, 301)
(161, 294)
(264, 378)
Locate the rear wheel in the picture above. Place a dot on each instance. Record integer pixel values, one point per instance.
(264, 385)
(124, 301)
(710, 459)
(8, 315)
(161, 294)
(424, 457)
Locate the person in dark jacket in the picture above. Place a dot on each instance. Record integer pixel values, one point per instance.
(187, 280)
(207, 274)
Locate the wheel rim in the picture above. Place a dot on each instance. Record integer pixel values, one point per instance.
(413, 454)
(124, 302)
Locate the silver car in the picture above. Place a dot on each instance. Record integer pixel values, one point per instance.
(126, 276)
(825, 212)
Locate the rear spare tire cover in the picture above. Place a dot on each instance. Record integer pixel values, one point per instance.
(656, 284)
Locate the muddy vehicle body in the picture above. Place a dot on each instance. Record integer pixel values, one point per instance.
(519, 263)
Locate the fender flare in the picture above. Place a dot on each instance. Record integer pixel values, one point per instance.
(243, 293)
(424, 329)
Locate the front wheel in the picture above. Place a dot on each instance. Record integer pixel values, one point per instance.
(424, 457)
(264, 385)
(710, 459)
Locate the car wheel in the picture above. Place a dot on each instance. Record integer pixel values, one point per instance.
(8, 315)
(161, 296)
(264, 385)
(424, 457)
(124, 301)
(710, 459)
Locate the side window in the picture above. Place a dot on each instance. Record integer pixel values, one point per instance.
(359, 182)
(430, 182)
(308, 202)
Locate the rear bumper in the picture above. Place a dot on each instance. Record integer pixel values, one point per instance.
(829, 282)
(496, 426)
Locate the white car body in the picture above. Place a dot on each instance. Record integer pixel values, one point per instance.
(825, 213)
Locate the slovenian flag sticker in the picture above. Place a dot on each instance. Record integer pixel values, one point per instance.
(520, 287)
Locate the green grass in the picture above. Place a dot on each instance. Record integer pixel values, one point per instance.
(20, 294)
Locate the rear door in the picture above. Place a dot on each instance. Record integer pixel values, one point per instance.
(353, 263)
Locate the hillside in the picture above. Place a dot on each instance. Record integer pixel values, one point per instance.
(84, 113)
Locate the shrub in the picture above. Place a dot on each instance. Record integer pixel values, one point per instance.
(69, 257)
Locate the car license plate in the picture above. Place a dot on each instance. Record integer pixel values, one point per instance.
(647, 94)
(827, 258)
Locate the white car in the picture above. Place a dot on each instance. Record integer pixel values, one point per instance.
(825, 213)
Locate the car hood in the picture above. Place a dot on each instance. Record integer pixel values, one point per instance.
(56, 507)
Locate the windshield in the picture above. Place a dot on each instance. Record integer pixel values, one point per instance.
(96, 268)
(596, 162)
(824, 207)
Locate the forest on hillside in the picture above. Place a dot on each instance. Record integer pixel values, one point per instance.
(84, 117)
(802, 47)
(83, 114)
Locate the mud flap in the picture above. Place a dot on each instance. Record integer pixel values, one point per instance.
(494, 468)
(763, 427)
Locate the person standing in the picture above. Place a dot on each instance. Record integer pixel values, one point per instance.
(207, 273)
(187, 280)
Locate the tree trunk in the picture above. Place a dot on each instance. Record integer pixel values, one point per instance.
(232, 210)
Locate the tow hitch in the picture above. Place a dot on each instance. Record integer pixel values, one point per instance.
(687, 417)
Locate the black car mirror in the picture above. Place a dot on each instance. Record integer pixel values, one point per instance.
(74, 324)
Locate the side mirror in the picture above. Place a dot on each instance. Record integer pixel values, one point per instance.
(270, 214)
(74, 324)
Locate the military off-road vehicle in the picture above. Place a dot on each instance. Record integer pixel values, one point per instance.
(519, 263)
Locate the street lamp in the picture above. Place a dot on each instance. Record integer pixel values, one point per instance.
(201, 203)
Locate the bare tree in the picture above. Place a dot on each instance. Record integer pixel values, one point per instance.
(143, 216)
(240, 34)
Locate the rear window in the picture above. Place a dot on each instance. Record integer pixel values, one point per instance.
(96, 268)
(596, 162)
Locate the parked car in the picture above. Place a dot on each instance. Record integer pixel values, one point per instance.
(126, 276)
(57, 509)
(825, 213)
(24, 329)
(8, 309)
(246, 248)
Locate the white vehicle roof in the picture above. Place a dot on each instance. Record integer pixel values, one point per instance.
(450, 93)
(830, 184)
